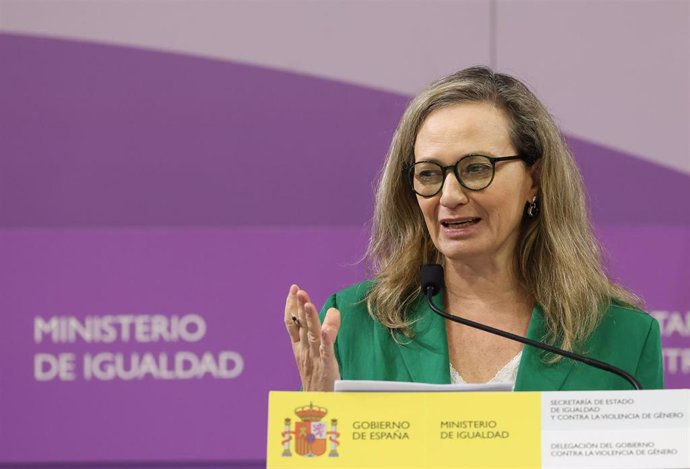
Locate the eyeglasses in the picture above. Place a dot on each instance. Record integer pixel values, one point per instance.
(474, 172)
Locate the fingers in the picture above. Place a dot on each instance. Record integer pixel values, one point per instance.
(291, 319)
(303, 329)
(296, 319)
(331, 322)
(313, 329)
(312, 342)
(329, 364)
(329, 331)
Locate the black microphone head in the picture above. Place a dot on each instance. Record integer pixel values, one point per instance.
(432, 277)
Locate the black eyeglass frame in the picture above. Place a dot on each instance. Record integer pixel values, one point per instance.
(409, 171)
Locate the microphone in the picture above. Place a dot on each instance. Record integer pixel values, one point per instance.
(432, 279)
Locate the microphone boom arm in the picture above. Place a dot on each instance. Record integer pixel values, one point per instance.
(430, 291)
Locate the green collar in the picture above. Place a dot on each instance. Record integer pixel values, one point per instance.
(426, 356)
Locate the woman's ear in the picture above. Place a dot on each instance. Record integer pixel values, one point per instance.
(535, 173)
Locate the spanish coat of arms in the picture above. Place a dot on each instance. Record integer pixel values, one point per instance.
(311, 435)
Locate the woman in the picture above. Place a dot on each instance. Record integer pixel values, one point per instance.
(479, 180)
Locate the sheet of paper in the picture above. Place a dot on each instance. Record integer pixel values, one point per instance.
(401, 386)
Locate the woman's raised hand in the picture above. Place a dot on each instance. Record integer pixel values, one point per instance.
(312, 342)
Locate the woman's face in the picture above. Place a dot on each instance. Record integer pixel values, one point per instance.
(469, 225)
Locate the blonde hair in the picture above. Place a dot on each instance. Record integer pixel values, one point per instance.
(558, 257)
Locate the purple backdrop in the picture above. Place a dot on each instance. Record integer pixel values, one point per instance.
(235, 278)
(142, 183)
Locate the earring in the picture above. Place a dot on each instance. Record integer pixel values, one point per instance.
(532, 208)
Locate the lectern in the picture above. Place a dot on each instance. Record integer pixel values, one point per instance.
(530, 430)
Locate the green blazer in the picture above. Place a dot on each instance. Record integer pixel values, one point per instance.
(627, 338)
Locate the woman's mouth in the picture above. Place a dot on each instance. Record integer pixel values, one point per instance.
(459, 223)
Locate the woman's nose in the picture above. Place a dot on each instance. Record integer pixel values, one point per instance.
(452, 192)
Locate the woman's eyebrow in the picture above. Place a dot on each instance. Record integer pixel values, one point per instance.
(458, 158)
